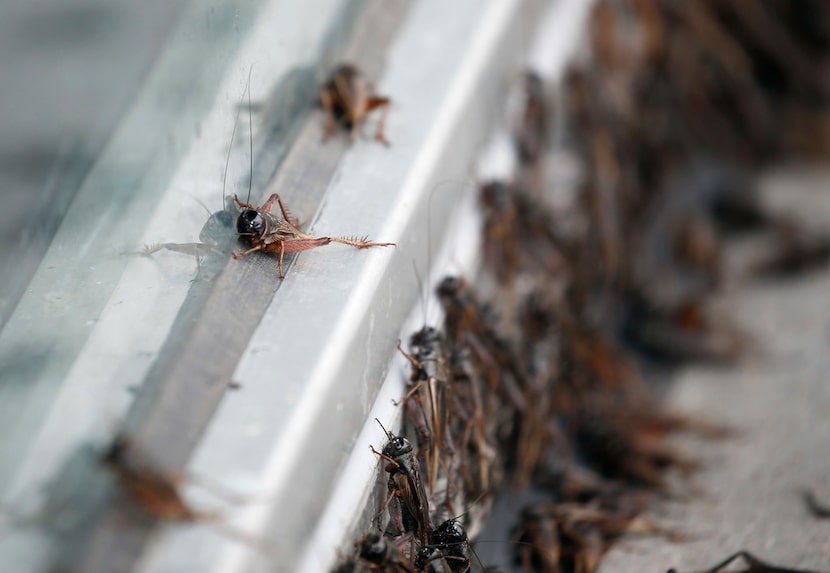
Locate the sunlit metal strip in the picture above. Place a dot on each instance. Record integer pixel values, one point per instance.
(356, 500)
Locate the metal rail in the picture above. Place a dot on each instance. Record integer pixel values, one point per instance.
(309, 354)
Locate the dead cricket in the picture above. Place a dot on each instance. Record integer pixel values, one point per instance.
(347, 97)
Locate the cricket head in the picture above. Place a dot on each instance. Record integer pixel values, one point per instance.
(427, 555)
(427, 337)
(397, 447)
(250, 223)
(450, 287)
(373, 548)
(117, 451)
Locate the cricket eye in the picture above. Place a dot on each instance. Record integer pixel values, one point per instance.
(402, 444)
(250, 222)
(449, 287)
(399, 446)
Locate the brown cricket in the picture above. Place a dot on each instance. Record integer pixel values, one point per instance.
(428, 394)
(272, 233)
(407, 502)
(348, 98)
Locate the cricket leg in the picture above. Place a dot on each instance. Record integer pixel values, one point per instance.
(384, 506)
(414, 390)
(289, 246)
(268, 206)
(395, 515)
(384, 103)
(362, 243)
(356, 118)
(412, 360)
(354, 133)
(248, 252)
(415, 413)
(328, 109)
(287, 215)
(279, 261)
(299, 244)
(241, 204)
(275, 199)
(193, 249)
(395, 465)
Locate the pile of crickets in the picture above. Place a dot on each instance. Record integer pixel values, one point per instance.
(542, 377)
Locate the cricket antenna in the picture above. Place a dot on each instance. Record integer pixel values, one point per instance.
(429, 254)
(426, 292)
(228, 157)
(250, 137)
(385, 431)
(423, 294)
(233, 135)
(429, 238)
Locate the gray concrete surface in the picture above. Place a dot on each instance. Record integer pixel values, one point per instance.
(778, 398)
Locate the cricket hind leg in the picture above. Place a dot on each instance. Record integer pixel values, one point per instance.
(294, 245)
(279, 260)
(358, 242)
(275, 199)
(328, 109)
(268, 207)
(248, 252)
(383, 103)
(241, 204)
(293, 221)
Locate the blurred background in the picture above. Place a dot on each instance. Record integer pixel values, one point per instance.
(633, 193)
